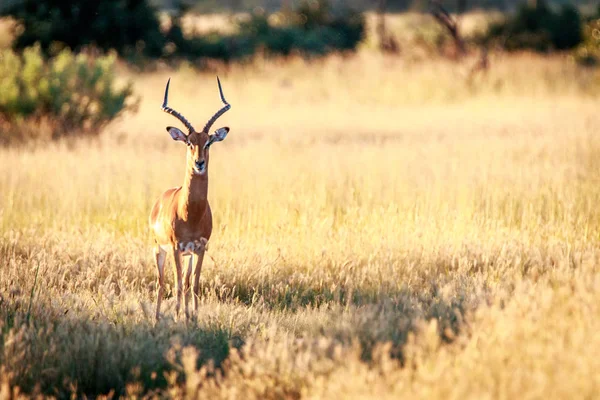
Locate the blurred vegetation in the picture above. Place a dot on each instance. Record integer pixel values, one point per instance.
(539, 28)
(47, 83)
(312, 28)
(224, 6)
(588, 52)
(123, 25)
(66, 95)
(315, 28)
(131, 27)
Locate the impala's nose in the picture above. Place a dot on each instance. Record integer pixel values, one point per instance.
(200, 165)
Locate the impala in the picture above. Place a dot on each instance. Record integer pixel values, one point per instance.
(181, 220)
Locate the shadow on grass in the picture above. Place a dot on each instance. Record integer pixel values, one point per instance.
(444, 296)
(61, 356)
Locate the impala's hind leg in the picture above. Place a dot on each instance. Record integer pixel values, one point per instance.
(188, 287)
(200, 249)
(178, 275)
(161, 256)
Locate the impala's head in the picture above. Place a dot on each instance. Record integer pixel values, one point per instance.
(198, 142)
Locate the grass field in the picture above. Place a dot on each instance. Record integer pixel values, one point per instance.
(382, 230)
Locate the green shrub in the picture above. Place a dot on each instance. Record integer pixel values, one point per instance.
(284, 41)
(315, 28)
(67, 95)
(540, 29)
(588, 52)
(132, 29)
(321, 30)
(126, 26)
(345, 28)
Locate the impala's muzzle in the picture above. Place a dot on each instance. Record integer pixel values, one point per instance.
(199, 166)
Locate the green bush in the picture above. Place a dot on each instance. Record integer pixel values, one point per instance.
(127, 26)
(540, 29)
(343, 28)
(588, 52)
(285, 40)
(131, 28)
(67, 95)
(315, 28)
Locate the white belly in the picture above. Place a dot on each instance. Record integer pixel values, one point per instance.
(189, 248)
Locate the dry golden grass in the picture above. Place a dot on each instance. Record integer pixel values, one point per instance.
(382, 230)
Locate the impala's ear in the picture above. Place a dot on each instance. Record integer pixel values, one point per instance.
(176, 134)
(219, 135)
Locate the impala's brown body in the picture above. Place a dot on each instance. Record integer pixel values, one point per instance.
(182, 214)
(181, 219)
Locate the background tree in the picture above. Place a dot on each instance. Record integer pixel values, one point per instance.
(123, 25)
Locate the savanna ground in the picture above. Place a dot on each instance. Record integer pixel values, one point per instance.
(383, 229)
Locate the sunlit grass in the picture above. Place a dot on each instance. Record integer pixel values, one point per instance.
(382, 228)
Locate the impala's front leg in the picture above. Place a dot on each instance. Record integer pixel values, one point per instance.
(200, 249)
(160, 290)
(188, 288)
(178, 278)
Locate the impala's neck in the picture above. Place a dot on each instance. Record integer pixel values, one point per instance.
(193, 198)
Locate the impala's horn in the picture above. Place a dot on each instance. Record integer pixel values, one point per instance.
(222, 111)
(174, 113)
